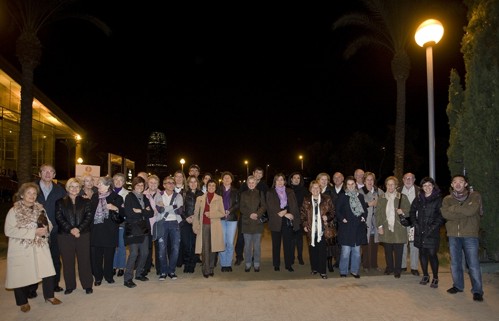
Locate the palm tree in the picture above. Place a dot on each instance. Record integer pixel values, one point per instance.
(388, 25)
(30, 16)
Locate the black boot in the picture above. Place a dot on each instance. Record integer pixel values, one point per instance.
(330, 264)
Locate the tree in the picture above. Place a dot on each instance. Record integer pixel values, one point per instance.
(477, 133)
(30, 16)
(387, 25)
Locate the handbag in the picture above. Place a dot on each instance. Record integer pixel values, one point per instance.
(329, 231)
(42, 221)
(404, 221)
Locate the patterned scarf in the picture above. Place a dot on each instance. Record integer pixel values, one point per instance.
(26, 217)
(101, 212)
(461, 196)
(283, 197)
(355, 205)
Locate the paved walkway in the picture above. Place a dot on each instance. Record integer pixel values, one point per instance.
(267, 295)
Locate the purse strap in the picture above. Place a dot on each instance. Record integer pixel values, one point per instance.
(400, 200)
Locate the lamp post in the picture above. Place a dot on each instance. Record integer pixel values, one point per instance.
(247, 168)
(427, 35)
(301, 160)
(182, 162)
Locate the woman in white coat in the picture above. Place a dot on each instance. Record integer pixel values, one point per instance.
(28, 255)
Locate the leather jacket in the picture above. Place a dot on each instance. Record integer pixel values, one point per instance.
(69, 215)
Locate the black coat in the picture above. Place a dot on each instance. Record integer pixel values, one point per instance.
(354, 231)
(137, 225)
(427, 220)
(105, 234)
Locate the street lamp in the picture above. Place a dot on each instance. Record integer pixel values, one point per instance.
(247, 168)
(428, 34)
(79, 160)
(301, 159)
(182, 162)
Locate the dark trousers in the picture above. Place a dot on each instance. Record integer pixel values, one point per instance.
(21, 294)
(393, 257)
(149, 261)
(239, 249)
(73, 249)
(102, 262)
(208, 257)
(318, 256)
(286, 237)
(298, 244)
(370, 254)
(430, 255)
(187, 246)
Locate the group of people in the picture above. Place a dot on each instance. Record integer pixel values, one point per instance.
(190, 221)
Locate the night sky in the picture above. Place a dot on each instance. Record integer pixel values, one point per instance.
(227, 84)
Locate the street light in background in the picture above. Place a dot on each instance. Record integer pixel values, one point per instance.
(427, 35)
(79, 160)
(247, 168)
(182, 162)
(301, 159)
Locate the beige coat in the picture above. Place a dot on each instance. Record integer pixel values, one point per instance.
(26, 264)
(216, 212)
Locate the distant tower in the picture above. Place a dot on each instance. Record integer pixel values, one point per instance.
(156, 154)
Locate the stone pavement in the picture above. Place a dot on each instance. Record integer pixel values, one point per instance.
(267, 295)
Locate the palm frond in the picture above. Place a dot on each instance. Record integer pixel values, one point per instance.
(365, 41)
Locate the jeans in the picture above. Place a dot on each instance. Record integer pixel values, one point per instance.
(229, 232)
(346, 252)
(252, 249)
(136, 259)
(120, 254)
(414, 256)
(470, 247)
(170, 240)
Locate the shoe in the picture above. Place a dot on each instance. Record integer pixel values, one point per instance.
(206, 275)
(186, 270)
(58, 289)
(120, 272)
(324, 276)
(415, 272)
(424, 280)
(110, 281)
(276, 268)
(477, 297)
(313, 272)
(162, 277)
(97, 283)
(290, 269)
(68, 291)
(129, 284)
(434, 283)
(355, 275)
(53, 301)
(25, 307)
(32, 295)
(453, 290)
(397, 275)
(212, 274)
(404, 269)
(247, 269)
(238, 261)
(300, 261)
(172, 276)
(256, 269)
(89, 291)
(114, 272)
(142, 278)
(343, 275)
(229, 269)
(387, 272)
